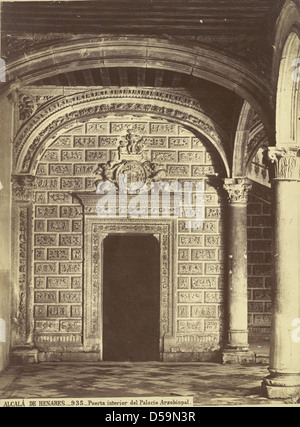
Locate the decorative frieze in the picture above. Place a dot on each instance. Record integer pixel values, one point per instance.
(103, 107)
(23, 258)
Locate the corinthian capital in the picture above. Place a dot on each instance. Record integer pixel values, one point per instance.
(237, 189)
(285, 162)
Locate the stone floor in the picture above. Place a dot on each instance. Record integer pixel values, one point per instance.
(208, 383)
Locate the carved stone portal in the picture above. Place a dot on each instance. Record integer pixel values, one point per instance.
(96, 230)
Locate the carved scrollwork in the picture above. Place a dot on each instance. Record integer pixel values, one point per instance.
(132, 167)
(26, 107)
(23, 188)
(108, 101)
(237, 190)
(283, 163)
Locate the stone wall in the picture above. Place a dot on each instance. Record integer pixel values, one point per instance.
(259, 263)
(68, 166)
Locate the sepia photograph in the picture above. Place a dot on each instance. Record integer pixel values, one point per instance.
(150, 209)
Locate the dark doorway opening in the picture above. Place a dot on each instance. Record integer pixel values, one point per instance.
(131, 299)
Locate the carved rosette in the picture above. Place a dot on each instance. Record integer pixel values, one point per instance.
(284, 163)
(238, 190)
(23, 187)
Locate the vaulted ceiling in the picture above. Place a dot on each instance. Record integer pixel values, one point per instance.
(241, 29)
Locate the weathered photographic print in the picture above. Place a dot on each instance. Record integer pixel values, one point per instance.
(150, 210)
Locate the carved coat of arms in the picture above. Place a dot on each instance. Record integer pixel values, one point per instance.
(132, 165)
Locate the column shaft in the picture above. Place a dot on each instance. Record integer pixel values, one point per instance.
(237, 348)
(237, 278)
(284, 379)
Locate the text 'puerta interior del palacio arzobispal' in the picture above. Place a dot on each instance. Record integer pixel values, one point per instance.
(97, 97)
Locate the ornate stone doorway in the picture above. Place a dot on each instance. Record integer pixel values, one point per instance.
(97, 233)
(131, 298)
